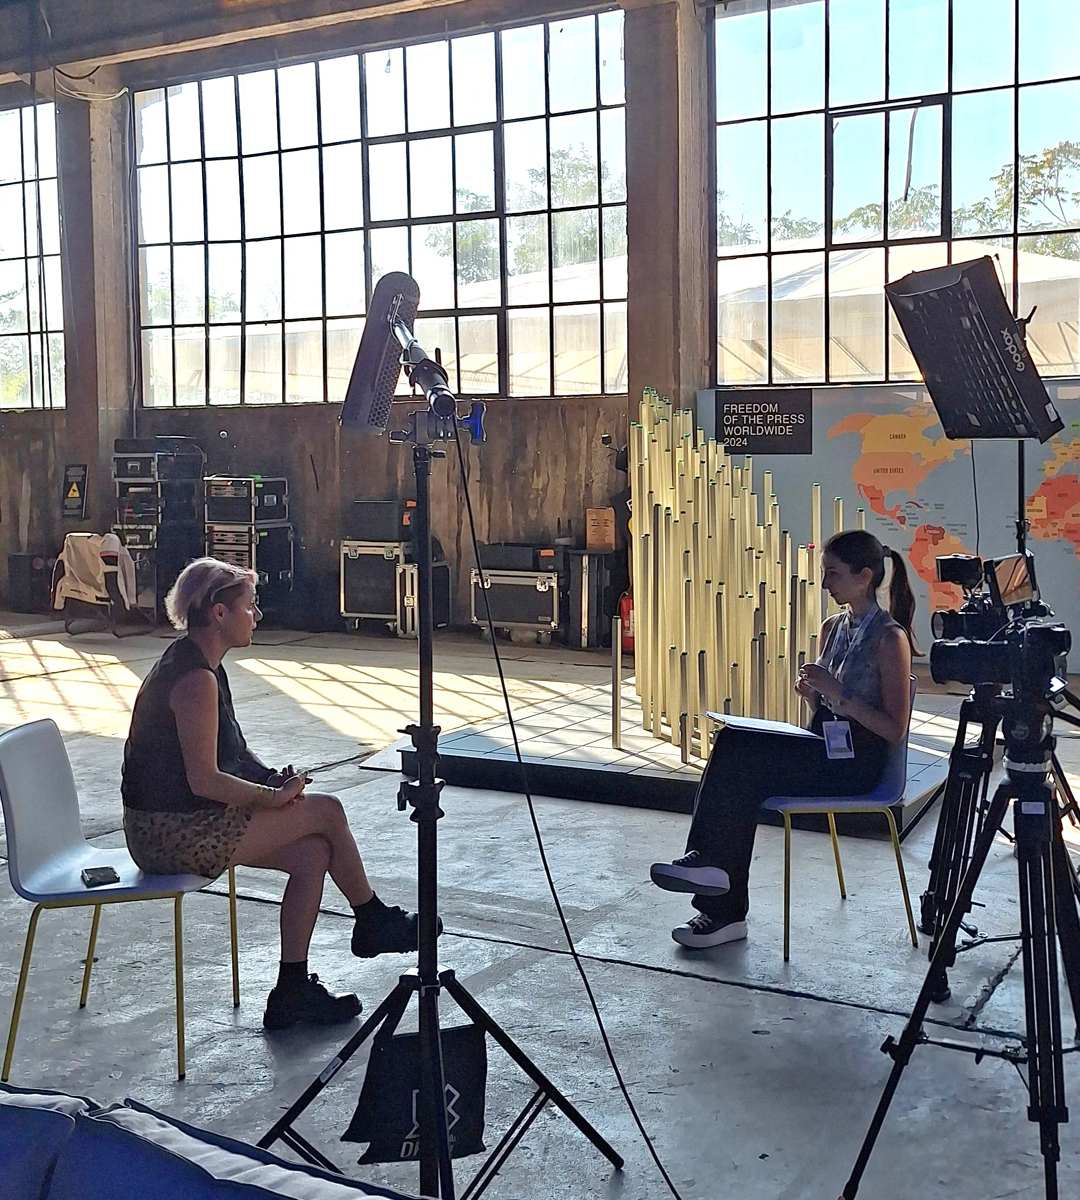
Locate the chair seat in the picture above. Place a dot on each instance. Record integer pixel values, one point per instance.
(59, 878)
(887, 793)
(823, 804)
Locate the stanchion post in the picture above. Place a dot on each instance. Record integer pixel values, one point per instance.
(616, 682)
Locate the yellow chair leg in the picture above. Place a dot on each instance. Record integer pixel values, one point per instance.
(20, 990)
(787, 886)
(90, 956)
(233, 938)
(178, 944)
(836, 855)
(903, 878)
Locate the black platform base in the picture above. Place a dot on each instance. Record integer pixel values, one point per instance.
(666, 792)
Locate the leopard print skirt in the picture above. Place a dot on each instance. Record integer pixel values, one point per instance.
(196, 843)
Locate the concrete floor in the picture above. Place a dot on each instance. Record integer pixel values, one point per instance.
(754, 1078)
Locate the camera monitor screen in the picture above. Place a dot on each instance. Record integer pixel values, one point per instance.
(1011, 579)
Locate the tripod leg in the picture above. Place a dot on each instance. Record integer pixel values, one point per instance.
(1068, 917)
(1042, 1006)
(436, 1169)
(307, 1151)
(479, 1016)
(494, 1162)
(900, 1051)
(390, 1011)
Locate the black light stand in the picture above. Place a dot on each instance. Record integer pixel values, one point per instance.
(429, 980)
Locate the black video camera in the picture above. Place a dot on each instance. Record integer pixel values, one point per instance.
(1001, 634)
(1026, 654)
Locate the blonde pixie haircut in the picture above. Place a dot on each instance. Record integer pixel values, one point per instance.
(197, 583)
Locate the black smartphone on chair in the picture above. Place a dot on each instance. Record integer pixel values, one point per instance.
(99, 876)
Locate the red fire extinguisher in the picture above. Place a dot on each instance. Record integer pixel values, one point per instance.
(626, 615)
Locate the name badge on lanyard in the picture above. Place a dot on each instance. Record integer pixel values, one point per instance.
(838, 741)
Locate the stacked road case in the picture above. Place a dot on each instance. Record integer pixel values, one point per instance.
(379, 583)
(247, 523)
(159, 511)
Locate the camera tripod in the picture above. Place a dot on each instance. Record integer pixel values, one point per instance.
(429, 980)
(963, 812)
(1049, 922)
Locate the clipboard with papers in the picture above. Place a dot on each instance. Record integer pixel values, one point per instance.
(759, 725)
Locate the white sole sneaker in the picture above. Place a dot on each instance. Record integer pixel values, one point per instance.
(685, 936)
(702, 881)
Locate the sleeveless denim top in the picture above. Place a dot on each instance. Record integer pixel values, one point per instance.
(851, 653)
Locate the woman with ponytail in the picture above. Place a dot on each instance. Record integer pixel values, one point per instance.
(860, 684)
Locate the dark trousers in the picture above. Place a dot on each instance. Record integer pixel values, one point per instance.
(747, 768)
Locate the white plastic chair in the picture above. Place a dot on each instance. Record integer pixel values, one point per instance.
(887, 793)
(47, 852)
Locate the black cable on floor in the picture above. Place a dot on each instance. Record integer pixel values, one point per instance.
(540, 840)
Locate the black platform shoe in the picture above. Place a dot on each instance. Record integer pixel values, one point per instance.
(311, 1004)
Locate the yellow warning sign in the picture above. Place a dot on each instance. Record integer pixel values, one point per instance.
(73, 492)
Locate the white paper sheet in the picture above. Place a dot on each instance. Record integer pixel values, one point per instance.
(758, 725)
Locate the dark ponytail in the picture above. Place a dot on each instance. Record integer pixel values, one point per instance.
(901, 598)
(860, 550)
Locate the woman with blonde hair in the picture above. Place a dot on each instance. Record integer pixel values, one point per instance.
(198, 801)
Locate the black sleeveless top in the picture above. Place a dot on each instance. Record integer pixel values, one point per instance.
(154, 777)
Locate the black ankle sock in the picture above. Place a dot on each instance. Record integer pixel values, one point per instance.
(292, 975)
(368, 907)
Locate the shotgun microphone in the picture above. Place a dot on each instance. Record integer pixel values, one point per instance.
(377, 367)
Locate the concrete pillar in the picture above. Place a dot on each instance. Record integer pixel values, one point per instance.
(92, 140)
(670, 265)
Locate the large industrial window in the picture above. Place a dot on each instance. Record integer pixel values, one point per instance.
(490, 166)
(31, 291)
(858, 140)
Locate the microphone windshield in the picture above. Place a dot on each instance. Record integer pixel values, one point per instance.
(377, 368)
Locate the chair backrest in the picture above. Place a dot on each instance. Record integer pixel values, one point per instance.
(37, 791)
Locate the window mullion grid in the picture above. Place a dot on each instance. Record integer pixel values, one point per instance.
(600, 214)
(408, 181)
(502, 320)
(26, 256)
(172, 264)
(712, 168)
(322, 238)
(550, 217)
(135, 244)
(827, 130)
(39, 233)
(886, 230)
(206, 250)
(453, 202)
(242, 388)
(455, 332)
(281, 210)
(1014, 299)
(768, 199)
(365, 178)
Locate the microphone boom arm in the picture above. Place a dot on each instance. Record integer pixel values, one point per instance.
(422, 371)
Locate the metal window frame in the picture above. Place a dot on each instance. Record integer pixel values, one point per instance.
(453, 219)
(829, 113)
(47, 401)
